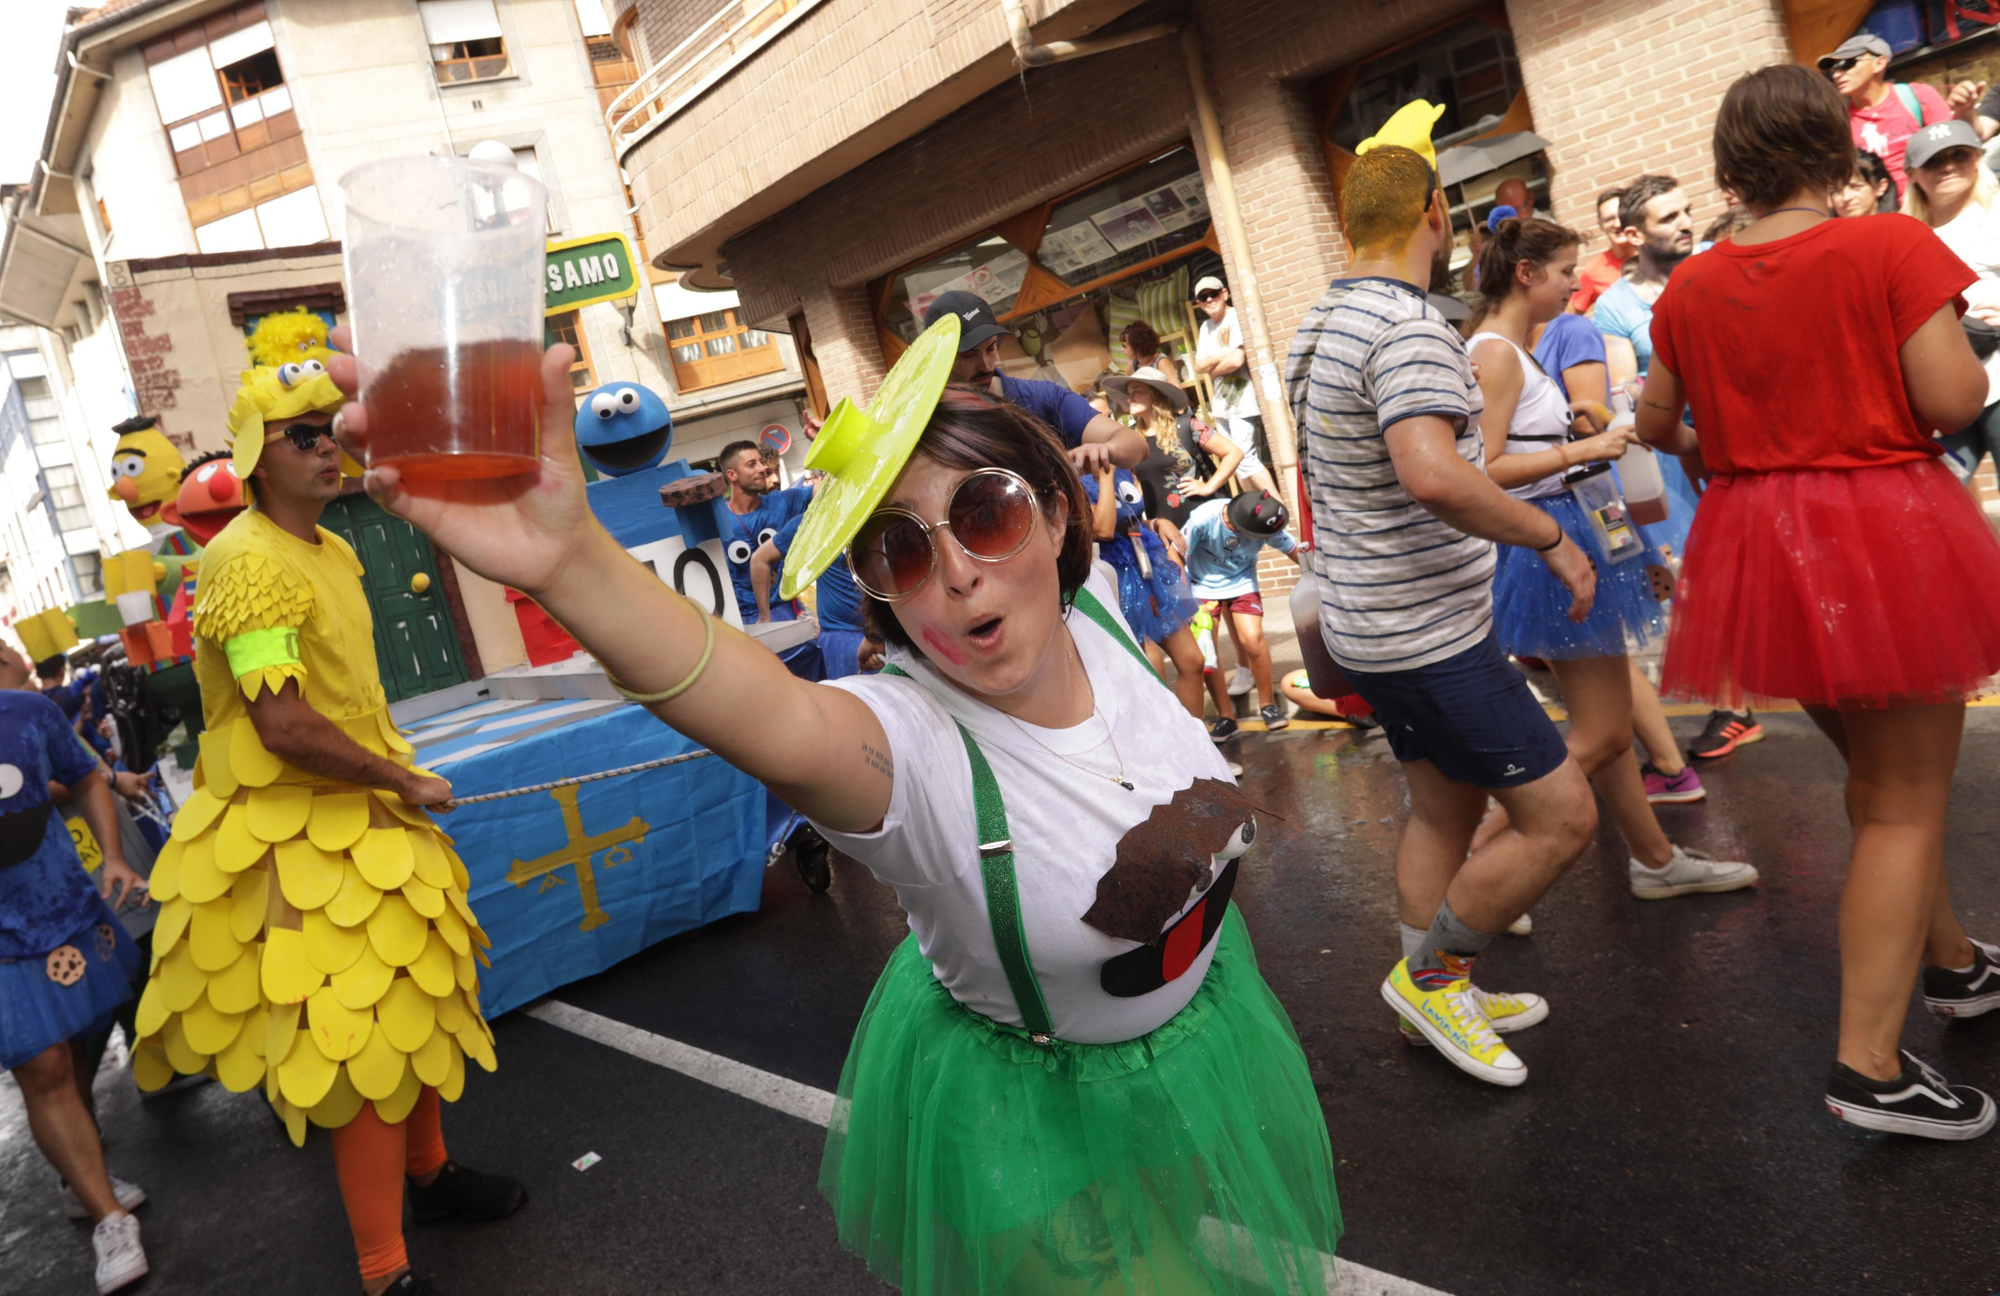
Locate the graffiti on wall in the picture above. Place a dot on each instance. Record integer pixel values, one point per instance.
(148, 355)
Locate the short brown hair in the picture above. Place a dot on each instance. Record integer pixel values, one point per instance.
(1632, 201)
(1385, 195)
(1782, 129)
(972, 429)
(1140, 336)
(1534, 241)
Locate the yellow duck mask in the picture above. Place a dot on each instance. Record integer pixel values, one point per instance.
(145, 471)
(270, 393)
(1410, 127)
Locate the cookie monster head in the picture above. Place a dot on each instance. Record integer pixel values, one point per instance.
(623, 428)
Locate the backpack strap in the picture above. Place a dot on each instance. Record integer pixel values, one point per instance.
(1003, 893)
(1911, 104)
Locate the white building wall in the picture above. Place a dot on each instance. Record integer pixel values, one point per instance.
(131, 170)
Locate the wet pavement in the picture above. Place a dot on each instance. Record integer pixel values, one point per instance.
(1670, 1138)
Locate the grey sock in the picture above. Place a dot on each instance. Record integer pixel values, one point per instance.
(1413, 938)
(1448, 938)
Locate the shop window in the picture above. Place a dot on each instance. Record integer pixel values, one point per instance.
(565, 327)
(89, 571)
(1469, 67)
(1138, 217)
(990, 266)
(465, 40)
(715, 348)
(66, 495)
(44, 420)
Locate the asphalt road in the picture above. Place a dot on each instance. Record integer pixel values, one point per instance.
(1670, 1139)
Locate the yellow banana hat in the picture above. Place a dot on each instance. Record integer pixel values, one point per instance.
(269, 393)
(1410, 127)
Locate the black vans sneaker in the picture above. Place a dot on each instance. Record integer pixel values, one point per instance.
(1918, 1102)
(462, 1193)
(1223, 728)
(1965, 994)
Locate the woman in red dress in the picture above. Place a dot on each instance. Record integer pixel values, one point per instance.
(1834, 560)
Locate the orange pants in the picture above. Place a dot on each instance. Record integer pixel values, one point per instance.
(371, 1159)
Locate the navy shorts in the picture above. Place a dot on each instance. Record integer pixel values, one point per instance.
(1470, 715)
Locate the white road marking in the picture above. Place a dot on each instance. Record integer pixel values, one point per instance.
(816, 1105)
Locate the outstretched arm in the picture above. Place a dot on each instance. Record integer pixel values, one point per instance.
(1122, 447)
(761, 564)
(819, 748)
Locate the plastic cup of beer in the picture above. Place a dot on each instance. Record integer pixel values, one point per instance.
(443, 258)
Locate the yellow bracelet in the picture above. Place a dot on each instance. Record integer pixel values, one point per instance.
(668, 695)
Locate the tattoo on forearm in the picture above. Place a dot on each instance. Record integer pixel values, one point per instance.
(878, 761)
(1656, 405)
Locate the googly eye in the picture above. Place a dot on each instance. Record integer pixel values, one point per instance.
(738, 551)
(764, 536)
(290, 372)
(628, 399)
(604, 404)
(311, 368)
(11, 781)
(1129, 492)
(1239, 841)
(129, 466)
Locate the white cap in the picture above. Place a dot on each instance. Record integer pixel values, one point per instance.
(1207, 282)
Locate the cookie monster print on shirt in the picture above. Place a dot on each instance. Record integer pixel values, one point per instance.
(44, 893)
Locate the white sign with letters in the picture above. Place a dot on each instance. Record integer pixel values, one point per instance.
(700, 573)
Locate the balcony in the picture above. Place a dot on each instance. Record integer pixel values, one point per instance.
(770, 99)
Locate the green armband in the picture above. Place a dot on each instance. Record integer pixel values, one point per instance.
(257, 649)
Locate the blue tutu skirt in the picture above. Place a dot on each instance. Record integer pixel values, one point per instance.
(1154, 606)
(1531, 607)
(99, 961)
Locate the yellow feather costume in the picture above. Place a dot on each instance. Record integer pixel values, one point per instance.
(314, 938)
(291, 335)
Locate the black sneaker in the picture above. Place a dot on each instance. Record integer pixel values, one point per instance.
(1724, 733)
(411, 1285)
(1274, 716)
(459, 1193)
(1918, 1102)
(1965, 994)
(1222, 728)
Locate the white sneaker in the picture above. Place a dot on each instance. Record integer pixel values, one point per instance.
(1241, 681)
(1522, 926)
(1690, 871)
(121, 1261)
(1505, 1013)
(130, 1198)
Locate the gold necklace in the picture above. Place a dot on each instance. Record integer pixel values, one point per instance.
(1118, 778)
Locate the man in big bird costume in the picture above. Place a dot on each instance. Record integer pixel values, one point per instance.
(314, 936)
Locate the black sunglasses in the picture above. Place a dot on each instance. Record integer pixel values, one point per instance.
(1208, 295)
(304, 436)
(1843, 65)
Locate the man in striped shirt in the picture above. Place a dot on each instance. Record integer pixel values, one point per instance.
(1404, 523)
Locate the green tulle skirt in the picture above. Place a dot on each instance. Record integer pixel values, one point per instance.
(964, 1158)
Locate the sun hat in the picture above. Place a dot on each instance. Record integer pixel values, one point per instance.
(1118, 386)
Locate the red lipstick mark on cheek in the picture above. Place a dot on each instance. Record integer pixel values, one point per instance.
(944, 647)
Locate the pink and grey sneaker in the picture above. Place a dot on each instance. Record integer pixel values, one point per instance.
(1672, 789)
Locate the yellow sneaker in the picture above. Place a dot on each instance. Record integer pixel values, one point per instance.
(1504, 1012)
(1450, 1018)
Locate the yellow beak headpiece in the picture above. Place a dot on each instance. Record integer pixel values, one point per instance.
(1410, 127)
(269, 394)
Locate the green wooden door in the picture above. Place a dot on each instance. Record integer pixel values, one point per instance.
(415, 640)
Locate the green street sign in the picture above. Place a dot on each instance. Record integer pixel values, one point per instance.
(583, 271)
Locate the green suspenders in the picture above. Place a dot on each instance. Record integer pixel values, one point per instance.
(996, 852)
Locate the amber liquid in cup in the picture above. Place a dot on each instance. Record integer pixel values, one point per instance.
(467, 413)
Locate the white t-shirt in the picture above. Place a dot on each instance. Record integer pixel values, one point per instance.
(1974, 235)
(1066, 826)
(1232, 397)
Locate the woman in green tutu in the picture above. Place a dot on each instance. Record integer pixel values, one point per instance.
(1071, 1076)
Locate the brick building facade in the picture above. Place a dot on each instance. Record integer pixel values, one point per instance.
(888, 131)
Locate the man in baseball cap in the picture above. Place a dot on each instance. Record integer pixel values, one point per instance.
(1882, 115)
(1096, 441)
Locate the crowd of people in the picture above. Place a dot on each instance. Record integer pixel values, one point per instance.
(1072, 1071)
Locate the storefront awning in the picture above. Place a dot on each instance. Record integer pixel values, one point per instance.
(38, 269)
(1477, 157)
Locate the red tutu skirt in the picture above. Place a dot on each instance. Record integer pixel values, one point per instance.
(1861, 587)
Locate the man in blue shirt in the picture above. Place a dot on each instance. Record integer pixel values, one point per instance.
(1096, 441)
(845, 646)
(1224, 540)
(757, 512)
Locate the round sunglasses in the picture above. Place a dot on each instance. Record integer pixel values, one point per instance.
(991, 514)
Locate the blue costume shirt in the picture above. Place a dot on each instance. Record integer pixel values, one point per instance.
(1054, 404)
(838, 598)
(744, 533)
(1568, 340)
(45, 896)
